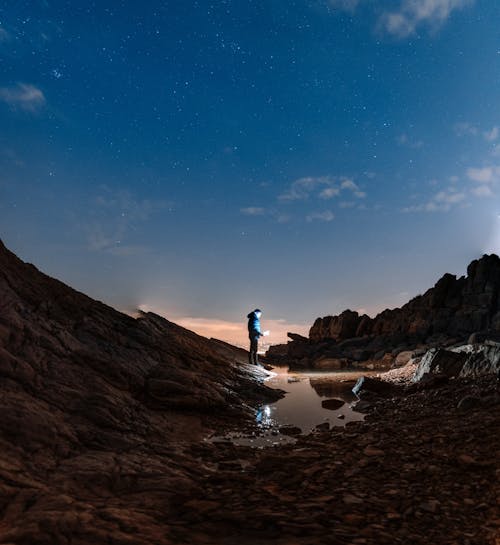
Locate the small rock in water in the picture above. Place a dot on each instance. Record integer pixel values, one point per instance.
(325, 426)
(332, 404)
(341, 416)
(290, 430)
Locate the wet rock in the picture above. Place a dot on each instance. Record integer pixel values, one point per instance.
(373, 386)
(324, 426)
(440, 361)
(332, 404)
(290, 430)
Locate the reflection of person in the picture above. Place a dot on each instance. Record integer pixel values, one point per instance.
(254, 333)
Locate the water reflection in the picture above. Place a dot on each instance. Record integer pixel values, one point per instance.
(302, 405)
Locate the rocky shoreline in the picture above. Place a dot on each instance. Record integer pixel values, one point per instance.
(422, 468)
(454, 312)
(105, 416)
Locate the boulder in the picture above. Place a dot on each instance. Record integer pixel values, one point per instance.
(463, 361)
(403, 358)
(440, 361)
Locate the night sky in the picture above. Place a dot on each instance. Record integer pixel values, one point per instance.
(201, 159)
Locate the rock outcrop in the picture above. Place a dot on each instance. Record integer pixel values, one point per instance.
(445, 315)
(95, 407)
(470, 360)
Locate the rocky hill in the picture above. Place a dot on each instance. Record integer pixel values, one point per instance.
(95, 407)
(446, 314)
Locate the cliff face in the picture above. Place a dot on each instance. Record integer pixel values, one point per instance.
(455, 307)
(95, 407)
(447, 313)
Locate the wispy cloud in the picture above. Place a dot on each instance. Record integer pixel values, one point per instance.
(492, 134)
(327, 216)
(412, 14)
(484, 175)
(4, 35)
(443, 201)
(23, 96)
(466, 129)
(114, 216)
(253, 211)
(407, 141)
(322, 187)
(483, 191)
(351, 186)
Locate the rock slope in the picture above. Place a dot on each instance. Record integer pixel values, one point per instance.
(95, 405)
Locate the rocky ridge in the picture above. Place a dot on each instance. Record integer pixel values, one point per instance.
(445, 315)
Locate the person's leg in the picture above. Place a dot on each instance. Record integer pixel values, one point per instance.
(253, 351)
(250, 356)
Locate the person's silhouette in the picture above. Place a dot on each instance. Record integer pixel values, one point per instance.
(254, 334)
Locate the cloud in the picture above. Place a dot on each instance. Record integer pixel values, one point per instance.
(327, 216)
(329, 193)
(411, 14)
(484, 175)
(23, 96)
(351, 186)
(113, 216)
(466, 129)
(405, 140)
(322, 187)
(491, 135)
(443, 201)
(4, 35)
(253, 211)
(482, 191)
(301, 189)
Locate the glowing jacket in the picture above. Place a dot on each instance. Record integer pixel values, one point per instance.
(253, 326)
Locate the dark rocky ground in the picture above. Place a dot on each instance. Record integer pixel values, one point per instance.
(417, 470)
(102, 441)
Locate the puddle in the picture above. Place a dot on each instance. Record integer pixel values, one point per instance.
(304, 406)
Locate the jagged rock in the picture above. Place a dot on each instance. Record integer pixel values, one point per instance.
(445, 315)
(440, 361)
(297, 337)
(464, 361)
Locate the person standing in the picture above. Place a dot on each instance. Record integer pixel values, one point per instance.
(254, 333)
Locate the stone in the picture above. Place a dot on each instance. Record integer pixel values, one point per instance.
(440, 361)
(403, 358)
(374, 386)
(324, 426)
(332, 404)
